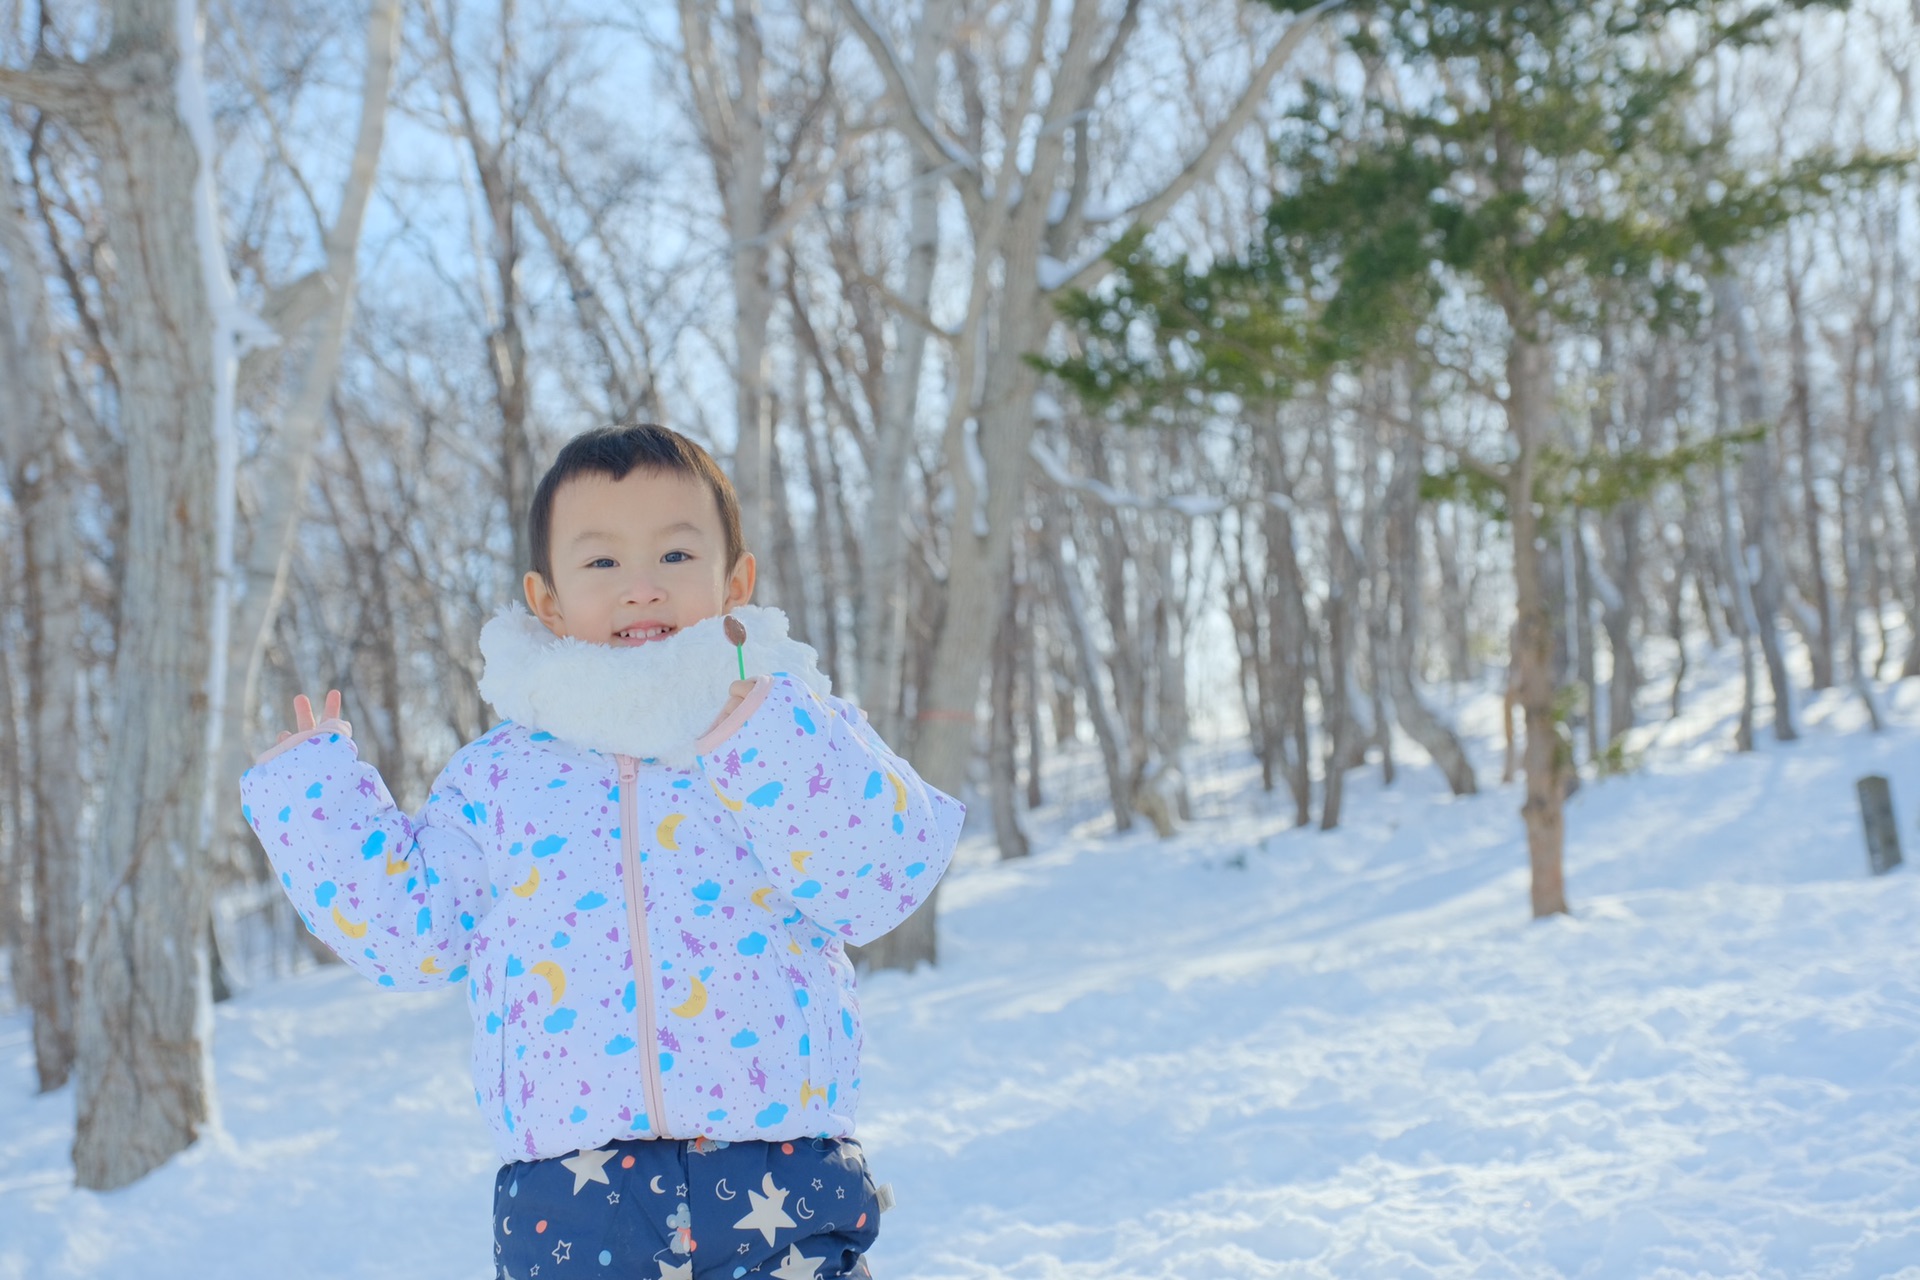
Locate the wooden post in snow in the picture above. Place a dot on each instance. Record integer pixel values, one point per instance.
(1876, 815)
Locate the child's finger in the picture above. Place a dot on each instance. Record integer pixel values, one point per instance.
(302, 712)
(333, 704)
(284, 735)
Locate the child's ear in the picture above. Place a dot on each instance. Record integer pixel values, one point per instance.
(541, 601)
(740, 581)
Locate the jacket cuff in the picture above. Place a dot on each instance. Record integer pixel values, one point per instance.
(314, 734)
(706, 742)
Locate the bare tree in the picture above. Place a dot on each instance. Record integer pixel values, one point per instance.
(1051, 92)
(139, 1031)
(35, 451)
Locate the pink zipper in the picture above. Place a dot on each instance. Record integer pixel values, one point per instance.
(642, 950)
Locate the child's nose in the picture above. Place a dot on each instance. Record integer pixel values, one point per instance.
(644, 588)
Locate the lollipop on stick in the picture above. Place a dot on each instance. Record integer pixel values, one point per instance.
(738, 635)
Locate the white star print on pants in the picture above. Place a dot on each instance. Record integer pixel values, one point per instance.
(796, 1267)
(769, 1212)
(588, 1166)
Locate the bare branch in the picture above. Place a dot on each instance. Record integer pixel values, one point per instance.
(1149, 211)
(1193, 505)
(914, 120)
(58, 85)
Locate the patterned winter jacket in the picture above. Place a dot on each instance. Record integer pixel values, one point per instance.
(649, 924)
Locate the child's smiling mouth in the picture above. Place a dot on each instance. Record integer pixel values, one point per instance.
(643, 632)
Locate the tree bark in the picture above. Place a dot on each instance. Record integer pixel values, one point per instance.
(1336, 698)
(1820, 643)
(882, 603)
(1402, 531)
(1761, 476)
(1289, 652)
(1001, 768)
(1739, 605)
(1107, 727)
(34, 451)
(1529, 403)
(143, 1022)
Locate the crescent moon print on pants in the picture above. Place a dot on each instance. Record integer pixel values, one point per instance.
(677, 1210)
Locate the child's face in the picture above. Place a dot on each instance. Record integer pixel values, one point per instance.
(635, 560)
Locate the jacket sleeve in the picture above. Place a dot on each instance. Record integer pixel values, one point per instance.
(395, 897)
(842, 825)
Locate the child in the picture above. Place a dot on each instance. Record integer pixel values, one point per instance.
(646, 903)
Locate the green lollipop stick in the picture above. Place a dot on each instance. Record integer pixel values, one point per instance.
(738, 635)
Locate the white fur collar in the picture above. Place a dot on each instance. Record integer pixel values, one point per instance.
(651, 701)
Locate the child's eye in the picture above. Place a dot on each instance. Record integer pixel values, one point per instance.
(675, 557)
(604, 562)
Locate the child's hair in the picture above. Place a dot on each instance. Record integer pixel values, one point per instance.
(614, 452)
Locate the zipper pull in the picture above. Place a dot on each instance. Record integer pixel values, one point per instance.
(629, 769)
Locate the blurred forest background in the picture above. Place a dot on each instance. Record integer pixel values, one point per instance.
(1090, 373)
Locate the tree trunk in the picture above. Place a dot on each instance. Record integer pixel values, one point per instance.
(1529, 406)
(141, 1033)
(33, 450)
(280, 474)
(1124, 648)
(1573, 539)
(1171, 725)
(1336, 697)
(1404, 609)
(1456, 604)
(1820, 643)
(1288, 658)
(1001, 767)
(1031, 672)
(14, 871)
(1760, 469)
(1106, 726)
(495, 165)
(1853, 512)
(1739, 605)
(55, 647)
(793, 593)
(833, 586)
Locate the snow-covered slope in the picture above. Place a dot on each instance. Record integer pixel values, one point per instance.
(1246, 1052)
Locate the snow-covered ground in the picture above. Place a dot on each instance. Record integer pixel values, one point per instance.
(1246, 1052)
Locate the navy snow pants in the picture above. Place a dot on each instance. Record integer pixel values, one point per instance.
(677, 1210)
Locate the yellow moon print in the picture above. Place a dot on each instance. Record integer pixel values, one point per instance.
(395, 868)
(347, 926)
(431, 965)
(800, 857)
(899, 794)
(532, 882)
(556, 977)
(695, 1002)
(734, 805)
(808, 1093)
(664, 832)
(760, 897)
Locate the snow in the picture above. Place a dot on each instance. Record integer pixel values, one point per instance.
(977, 472)
(1249, 1051)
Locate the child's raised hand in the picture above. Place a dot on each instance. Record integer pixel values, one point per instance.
(304, 723)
